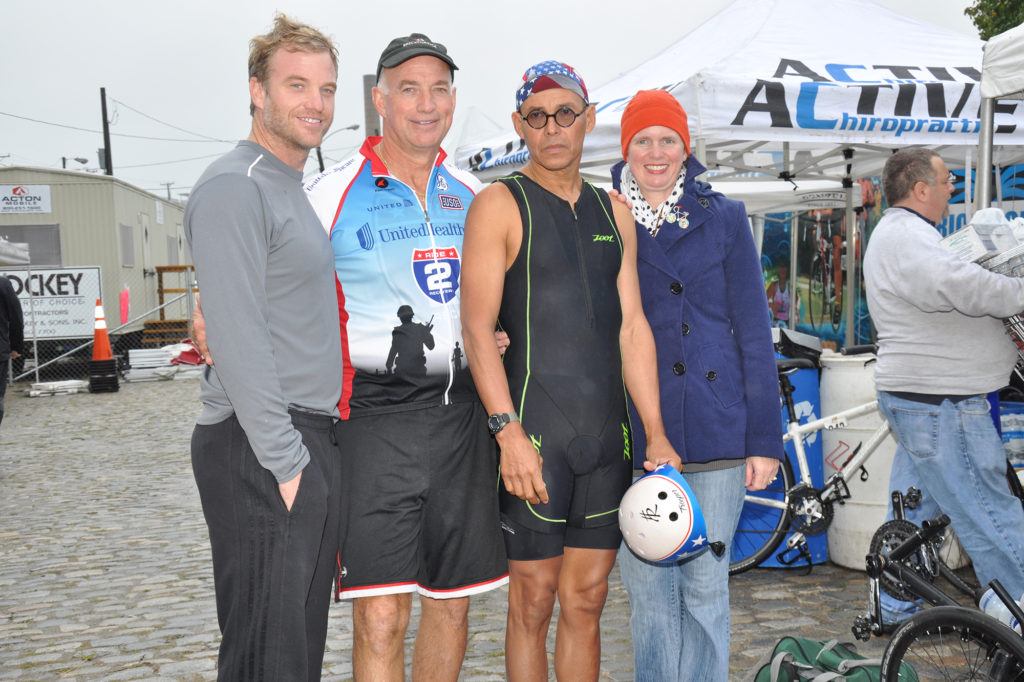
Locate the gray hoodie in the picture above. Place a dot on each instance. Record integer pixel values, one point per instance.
(939, 318)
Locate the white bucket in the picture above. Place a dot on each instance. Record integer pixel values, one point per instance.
(848, 381)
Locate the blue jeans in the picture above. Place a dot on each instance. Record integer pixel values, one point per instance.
(680, 618)
(953, 453)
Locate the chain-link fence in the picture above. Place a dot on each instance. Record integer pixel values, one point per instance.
(143, 311)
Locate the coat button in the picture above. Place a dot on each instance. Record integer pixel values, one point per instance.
(711, 375)
(686, 329)
(679, 369)
(676, 288)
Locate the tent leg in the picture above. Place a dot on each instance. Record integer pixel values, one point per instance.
(794, 308)
(851, 266)
(983, 188)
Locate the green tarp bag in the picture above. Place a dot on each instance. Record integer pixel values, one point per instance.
(795, 659)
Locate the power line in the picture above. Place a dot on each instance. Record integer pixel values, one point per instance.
(162, 163)
(169, 125)
(89, 130)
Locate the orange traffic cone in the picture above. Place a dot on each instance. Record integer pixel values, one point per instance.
(101, 342)
(103, 368)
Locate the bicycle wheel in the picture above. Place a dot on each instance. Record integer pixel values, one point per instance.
(835, 309)
(953, 643)
(762, 526)
(828, 294)
(814, 291)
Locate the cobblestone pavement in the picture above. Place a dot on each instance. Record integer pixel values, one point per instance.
(105, 565)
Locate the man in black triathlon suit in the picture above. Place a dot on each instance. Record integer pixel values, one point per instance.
(553, 261)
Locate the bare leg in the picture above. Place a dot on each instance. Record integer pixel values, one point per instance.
(379, 625)
(531, 599)
(582, 589)
(440, 639)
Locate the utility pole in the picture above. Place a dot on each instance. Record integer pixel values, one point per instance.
(319, 154)
(168, 186)
(370, 116)
(108, 160)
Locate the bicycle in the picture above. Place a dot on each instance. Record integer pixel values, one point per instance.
(949, 640)
(789, 505)
(821, 282)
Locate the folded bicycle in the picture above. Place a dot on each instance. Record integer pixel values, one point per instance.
(950, 640)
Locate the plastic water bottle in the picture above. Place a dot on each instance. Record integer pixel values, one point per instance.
(993, 606)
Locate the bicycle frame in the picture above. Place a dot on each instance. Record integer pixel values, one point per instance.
(796, 433)
(894, 568)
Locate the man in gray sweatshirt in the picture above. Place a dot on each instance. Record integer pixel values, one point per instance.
(942, 347)
(263, 450)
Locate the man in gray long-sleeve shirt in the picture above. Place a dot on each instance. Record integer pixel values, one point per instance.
(263, 450)
(942, 347)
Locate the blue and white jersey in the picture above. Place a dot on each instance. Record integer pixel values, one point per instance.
(397, 267)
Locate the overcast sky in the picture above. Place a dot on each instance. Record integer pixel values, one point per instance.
(184, 64)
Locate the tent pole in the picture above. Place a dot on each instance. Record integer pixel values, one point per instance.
(757, 228)
(968, 190)
(851, 263)
(983, 188)
(794, 312)
(851, 248)
(700, 149)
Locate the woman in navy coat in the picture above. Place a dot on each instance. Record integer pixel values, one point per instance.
(703, 294)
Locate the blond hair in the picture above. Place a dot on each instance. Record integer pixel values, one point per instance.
(289, 35)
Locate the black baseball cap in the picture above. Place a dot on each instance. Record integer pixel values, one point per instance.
(407, 47)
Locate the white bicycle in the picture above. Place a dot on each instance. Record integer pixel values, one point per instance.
(788, 504)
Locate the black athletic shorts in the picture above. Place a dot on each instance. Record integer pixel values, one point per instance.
(586, 475)
(420, 505)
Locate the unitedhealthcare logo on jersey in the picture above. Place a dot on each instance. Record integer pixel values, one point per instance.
(436, 272)
(365, 235)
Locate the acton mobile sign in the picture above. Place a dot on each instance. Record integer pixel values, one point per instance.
(25, 199)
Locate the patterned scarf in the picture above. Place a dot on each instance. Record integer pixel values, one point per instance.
(650, 218)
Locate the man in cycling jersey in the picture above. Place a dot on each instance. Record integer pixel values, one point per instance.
(420, 513)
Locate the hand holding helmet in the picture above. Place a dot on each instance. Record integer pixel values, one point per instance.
(661, 520)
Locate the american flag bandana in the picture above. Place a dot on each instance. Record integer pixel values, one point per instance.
(548, 75)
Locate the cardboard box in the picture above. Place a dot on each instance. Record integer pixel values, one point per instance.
(970, 246)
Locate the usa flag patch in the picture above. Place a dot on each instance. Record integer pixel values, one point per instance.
(450, 202)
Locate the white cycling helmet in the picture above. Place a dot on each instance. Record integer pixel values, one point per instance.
(660, 518)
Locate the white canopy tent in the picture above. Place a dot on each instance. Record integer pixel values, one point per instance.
(778, 76)
(1002, 77)
(799, 90)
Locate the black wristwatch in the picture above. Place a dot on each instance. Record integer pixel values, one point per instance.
(496, 422)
